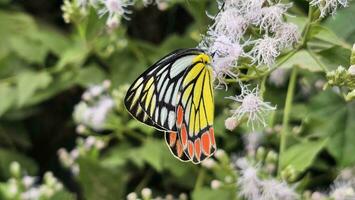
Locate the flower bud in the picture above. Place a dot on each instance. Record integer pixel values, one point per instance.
(146, 193)
(231, 123)
(215, 184)
(15, 169)
(260, 154)
(132, 196)
(271, 157)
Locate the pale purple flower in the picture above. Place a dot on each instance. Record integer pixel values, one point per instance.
(251, 106)
(116, 8)
(287, 35)
(273, 189)
(272, 16)
(343, 190)
(249, 183)
(230, 23)
(329, 6)
(265, 51)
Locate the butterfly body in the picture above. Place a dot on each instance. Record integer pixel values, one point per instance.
(175, 95)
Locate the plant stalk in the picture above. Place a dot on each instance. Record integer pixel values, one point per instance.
(286, 116)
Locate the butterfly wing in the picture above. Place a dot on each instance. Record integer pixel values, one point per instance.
(152, 98)
(156, 99)
(195, 113)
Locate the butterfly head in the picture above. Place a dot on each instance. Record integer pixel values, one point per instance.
(203, 58)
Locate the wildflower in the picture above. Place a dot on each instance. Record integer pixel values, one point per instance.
(272, 16)
(113, 22)
(274, 190)
(249, 183)
(287, 35)
(328, 6)
(265, 51)
(342, 190)
(116, 8)
(231, 123)
(32, 193)
(278, 77)
(251, 106)
(230, 23)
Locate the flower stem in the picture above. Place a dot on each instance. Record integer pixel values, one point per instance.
(200, 178)
(286, 116)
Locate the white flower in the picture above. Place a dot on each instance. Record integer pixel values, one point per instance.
(249, 183)
(287, 35)
(229, 22)
(251, 106)
(272, 16)
(116, 8)
(328, 6)
(278, 77)
(343, 190)
(231, 123)
(265, 51)
(275, 190)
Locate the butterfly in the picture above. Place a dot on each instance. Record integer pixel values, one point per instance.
(175, 95)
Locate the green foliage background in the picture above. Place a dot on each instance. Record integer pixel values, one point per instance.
(45, 65)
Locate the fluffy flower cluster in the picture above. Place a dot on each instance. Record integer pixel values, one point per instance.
(115, 10)
(343, 187)
(85, 147)
(251, 106)
(329, 6)
(26, 187)
(256, 25)
(94, 108)
(252, 187)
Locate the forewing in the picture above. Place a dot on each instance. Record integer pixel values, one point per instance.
(152, 98)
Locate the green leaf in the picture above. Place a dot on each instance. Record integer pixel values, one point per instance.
(7, 97)
(335, 56)
(213, 194)
(332, 117)
(90, 75)
(304, 60)
(301, 156)
(151, 151)
(28, 83)
(7, 157)
(343, 23)
(99, 182)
